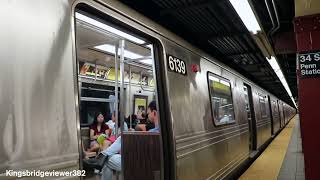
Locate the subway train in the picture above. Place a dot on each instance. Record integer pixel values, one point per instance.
(65, 60)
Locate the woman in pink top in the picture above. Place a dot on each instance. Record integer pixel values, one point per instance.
(97, 128)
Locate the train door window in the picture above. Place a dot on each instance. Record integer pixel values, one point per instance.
(263, 105)
(250, 116)
(116, 75)
(246, 95)
(275, 108)
(94, 98)
(221, 99)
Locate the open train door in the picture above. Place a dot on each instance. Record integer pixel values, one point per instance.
(140, 147)
(121, 56)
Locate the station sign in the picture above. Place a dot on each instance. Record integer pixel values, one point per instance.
(309, 64)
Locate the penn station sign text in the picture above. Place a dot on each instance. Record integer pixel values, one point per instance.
(309, 64)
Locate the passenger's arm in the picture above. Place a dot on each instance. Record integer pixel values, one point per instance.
(115, 148)
(140, 127)
(92, 136)
(108, 132)
(125, 127)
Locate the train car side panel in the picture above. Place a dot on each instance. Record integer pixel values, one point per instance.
(37, 114)
(203, 148)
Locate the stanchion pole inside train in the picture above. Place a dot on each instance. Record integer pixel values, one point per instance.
(122, 46)
(130, 112)
(116, 89)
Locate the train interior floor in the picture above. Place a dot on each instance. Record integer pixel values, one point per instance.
(282, 159)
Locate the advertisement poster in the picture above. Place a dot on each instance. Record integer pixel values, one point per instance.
(140, 104)
(88, 69)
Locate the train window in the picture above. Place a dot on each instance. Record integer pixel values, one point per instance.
(263, 105)
(94, 98)
(274, 108)
(221, 99)
(247, 101)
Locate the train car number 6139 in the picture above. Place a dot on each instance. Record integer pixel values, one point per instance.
(176, 65)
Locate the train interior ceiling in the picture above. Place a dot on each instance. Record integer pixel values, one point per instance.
(100, 49)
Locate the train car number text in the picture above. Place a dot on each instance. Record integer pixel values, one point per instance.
(176, 65)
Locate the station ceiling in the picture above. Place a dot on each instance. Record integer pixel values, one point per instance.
(216, 28)
(283, 40)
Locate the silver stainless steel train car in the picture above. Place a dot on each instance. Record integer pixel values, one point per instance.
(212, 119)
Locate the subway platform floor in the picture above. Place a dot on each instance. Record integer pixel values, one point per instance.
(282, 159)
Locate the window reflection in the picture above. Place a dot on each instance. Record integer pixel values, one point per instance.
(221, 100)
(247, 102)
(263, 105)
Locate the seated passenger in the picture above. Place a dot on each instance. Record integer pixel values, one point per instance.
(110, 123)
(112, 137)
(113, 130)
(113, 161)
(134, 120)
(145, 127)
(97, 128)
(146, 124)
(153, 116)
(141, 117)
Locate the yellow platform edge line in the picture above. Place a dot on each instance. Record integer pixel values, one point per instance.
(267, 166)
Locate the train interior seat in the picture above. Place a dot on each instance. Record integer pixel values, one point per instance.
(149, 144)
(85, 137)
(85, 133)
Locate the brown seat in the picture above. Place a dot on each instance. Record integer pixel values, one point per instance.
(141, 153)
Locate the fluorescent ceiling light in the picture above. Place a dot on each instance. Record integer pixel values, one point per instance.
(246, 14)
(111, 49)
(127, 54)
(146, 61)
(108, 28)
(276, 68)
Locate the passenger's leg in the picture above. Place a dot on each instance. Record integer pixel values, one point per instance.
(114, 163)
(94, 146)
